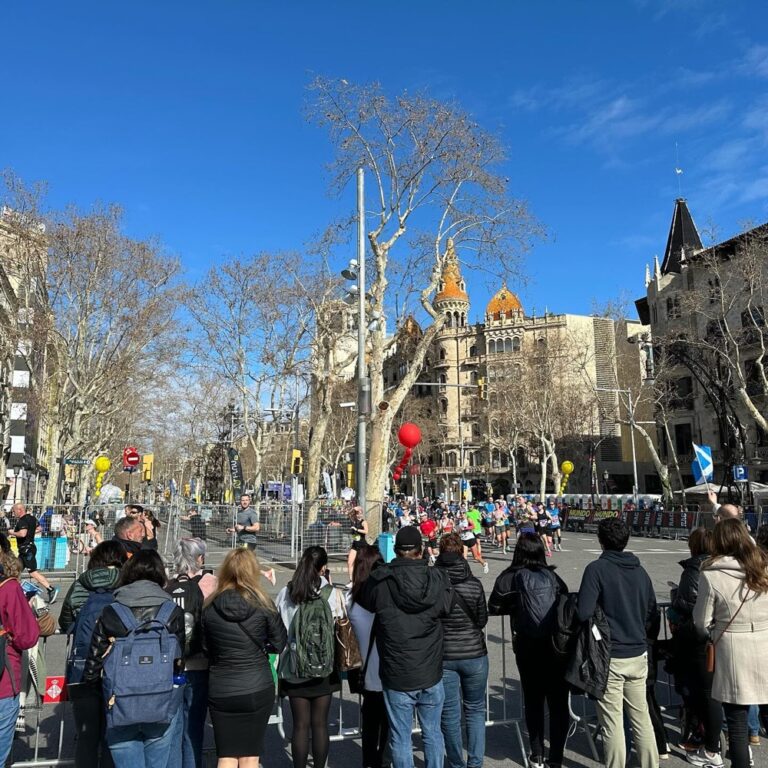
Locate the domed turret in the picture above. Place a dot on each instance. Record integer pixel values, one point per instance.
(504, 302)
(451, 297)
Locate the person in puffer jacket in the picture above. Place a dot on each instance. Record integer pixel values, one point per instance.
(465, 658)
(103, 573)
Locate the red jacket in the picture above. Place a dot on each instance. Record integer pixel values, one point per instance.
(19, 621)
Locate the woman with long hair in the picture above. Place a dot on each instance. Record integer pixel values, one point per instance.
(358, 531)
(310, 698)
(465, 658)
(531, 581)
(241, 626)
(732, 605)
(374, 723)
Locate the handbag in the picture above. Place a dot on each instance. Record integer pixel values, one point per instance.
(347, 649)
(710, 647)
(356, 677)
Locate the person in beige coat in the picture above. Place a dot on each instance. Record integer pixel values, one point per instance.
(732, 605)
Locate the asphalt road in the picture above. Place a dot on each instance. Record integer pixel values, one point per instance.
(660, 557)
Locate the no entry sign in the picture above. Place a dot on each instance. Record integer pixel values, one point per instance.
(131, 457)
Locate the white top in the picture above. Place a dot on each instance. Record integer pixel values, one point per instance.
(362, 621)
(287, 608)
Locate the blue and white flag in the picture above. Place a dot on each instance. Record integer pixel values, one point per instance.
(703, 467)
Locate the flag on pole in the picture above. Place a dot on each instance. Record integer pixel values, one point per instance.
(703, 467)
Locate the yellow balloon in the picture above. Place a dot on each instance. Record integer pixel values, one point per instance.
(566, 467)
(102, 464)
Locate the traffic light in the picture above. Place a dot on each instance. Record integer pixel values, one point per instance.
(147, 464)
(297, 462)
(482, 393)
(350, 475)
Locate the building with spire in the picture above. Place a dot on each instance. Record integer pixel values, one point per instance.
(459, 451)
(706, 310)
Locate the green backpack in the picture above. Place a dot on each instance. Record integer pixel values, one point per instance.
(311, 641)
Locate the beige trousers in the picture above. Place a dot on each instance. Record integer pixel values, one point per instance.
(626, 693)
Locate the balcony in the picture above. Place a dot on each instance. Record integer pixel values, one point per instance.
(471, 361)
(438, 364)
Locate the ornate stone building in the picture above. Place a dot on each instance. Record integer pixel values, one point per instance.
(469, 357)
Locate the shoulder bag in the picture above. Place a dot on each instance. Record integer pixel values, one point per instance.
(356, 677)
(347, 648)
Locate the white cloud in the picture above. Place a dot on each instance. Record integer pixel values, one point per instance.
(755, 61)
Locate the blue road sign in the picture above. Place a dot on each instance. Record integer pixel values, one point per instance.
(740, 474)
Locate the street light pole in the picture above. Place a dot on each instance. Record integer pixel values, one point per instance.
(363, 382)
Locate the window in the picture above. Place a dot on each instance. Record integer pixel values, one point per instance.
(683, 397)
(683, 439)
(542, 342)
(442, 353)
(443, 406)
(448, 317)
(507, 345)
(473, 351)
(491, 347)
(473, 377)
(714, 290)
(516, 344)
(673, 307)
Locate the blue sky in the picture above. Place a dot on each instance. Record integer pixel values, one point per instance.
(190, 114)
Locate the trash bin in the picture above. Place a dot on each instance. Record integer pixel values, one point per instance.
(386, 542)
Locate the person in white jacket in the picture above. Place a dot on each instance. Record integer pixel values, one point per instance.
(732, 605)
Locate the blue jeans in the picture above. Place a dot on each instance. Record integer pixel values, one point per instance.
(753, 720)
(146, 745)
(191, 725)
(9, 711)
(464, 681)
(428, 706)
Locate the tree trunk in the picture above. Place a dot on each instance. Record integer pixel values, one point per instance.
(752, 409)
(378, 469)
(543, 479)
(661, 469)
(314, 464)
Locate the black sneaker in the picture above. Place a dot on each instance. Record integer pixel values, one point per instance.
(53, 593)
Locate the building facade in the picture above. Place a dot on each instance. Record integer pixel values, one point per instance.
(706, 310)
(476, 372)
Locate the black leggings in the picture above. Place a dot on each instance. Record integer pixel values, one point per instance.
(310, 715)
(375, 728)
(738, 735)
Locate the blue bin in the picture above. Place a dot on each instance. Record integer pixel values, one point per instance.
(60, 553)
(44, 553)
(386, 542)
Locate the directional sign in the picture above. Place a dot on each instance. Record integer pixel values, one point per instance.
(77, 462)
(702, 466)
(740, 473)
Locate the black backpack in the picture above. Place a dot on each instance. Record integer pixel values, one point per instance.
(537, 601)
(186, 593)
(567, 625)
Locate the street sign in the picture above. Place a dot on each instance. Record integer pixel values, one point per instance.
(77, 462)
(131, 457)
(740, 473)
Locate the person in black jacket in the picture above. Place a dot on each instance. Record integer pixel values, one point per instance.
(465, 658)
(694, 683)
(409, 599)
(620, 586)
(528, 592)
(141, 590)
(241, 627)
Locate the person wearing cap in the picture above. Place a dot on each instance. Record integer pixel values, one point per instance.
(428, 528)
(92, 536)
(409, 599)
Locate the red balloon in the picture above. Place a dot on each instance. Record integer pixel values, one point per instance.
(396, 476)
(409, 435)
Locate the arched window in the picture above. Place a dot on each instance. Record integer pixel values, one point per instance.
(442, 353)
(451, 459)
(456, 319)
(443, 406)
(463, 319)
(542, 342)
(447, 319)
(491, 347)
(516, 344)
(473, 351)
(473, 377)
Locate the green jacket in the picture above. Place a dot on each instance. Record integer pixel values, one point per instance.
(80, 591)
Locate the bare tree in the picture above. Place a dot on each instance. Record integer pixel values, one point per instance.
(437, 175)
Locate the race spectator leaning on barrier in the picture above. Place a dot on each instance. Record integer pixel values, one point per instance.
(129, 533)
(24, 533)
(409, 600)
(21, 632)
(621, 587)
(246, 524)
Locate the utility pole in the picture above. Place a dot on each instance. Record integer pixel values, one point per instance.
(363, 382)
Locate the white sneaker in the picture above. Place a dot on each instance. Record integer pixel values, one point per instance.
(535, 761)
(705, 759)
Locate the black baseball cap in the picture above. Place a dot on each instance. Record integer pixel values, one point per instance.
(408, 537)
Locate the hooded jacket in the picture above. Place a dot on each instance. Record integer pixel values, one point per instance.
(238, 637)
(409, 599)
(19, 621)
(463, 636)
(144, 598)
(741, 675)
(80, 591)
(621, 587)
